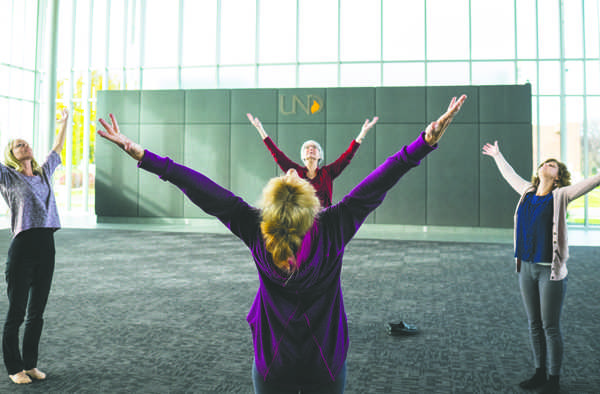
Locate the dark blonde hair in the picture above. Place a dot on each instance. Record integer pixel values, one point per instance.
(564, 176)
(11, 161)
(289, 207)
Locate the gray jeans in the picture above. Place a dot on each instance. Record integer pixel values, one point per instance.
(543, 300)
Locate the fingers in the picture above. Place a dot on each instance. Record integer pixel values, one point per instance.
(114, 122)
(250, 118)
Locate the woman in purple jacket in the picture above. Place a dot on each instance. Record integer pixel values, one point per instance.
(298, 321)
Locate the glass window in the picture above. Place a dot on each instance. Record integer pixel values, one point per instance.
(361, 74)
(526, 34)
(447, 29)
(7, 40)
(548, 31)
(573, 29)
(360, 30)
(4, 81)
(23, 34)
(118, 38)
(277, 31)
(199, 78)
(593, 134)
(132, 79)
(277, 76)
(592, 28)
(199, 44)
(21, 84)
(493, 73)
(404, 74)
(549, 77)
(448, 73)
(574, 77)
(238, 32)
(492, 29)
(574, 160)
(592, 81)
(99, 26)
(317, 75)
(155, 79)
(403, 30)
(318, 26)
(527, 73)
(81, 34)
(161, 40)
(237, 77)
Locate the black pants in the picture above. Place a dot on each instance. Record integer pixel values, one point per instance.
(29, 270)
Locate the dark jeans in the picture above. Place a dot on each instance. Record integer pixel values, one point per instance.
(543, 300)
(29, 270)
(337, 387)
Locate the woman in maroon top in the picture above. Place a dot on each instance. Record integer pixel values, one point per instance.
(312, 155)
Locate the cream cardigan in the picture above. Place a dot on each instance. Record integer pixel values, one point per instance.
(562, 196)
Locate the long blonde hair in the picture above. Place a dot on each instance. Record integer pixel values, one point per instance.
(289, 207)
(564, 176)
(11, 161)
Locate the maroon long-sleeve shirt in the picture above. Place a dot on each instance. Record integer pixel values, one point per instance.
(323, 181)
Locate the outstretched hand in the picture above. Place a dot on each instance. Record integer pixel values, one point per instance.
(111, 132)
(64, 116)
(491, 150)
(256, 123)
(436, 129)
(368, 125)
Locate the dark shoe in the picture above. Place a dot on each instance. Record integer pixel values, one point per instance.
(536, 381)
(401, 328)
(551, 386)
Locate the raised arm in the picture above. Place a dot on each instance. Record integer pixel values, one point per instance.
(259, 127)
(215, 200)
(59, 141)
(508, 173)
(284, 162)
(335, 168)
(370, 192)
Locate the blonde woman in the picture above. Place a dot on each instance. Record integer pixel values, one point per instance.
(541, 253)
(27, 190)
(298, 321)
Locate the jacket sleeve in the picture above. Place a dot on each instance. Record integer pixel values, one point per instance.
(349, 214)
(519, 184)
(284, 162)
(582, 187)
(231, 210)
(336, 168)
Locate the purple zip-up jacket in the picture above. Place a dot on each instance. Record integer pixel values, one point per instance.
(298, 324)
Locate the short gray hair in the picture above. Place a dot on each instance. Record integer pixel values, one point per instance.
(315, 143)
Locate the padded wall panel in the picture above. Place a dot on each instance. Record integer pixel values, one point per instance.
(350, 105)
(261, 103)
(453, 178)
(251, 164)
(401, 105)
(339, 138)
(503, 104)
(498, 199)
(406, 202)
(162, 106)
(124, 104)
(207, 106)
(438, 98)
(301, 105)
(206, 149)
(116, 177)
(158, 198)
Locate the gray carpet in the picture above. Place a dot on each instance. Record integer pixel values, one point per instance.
(157, 312)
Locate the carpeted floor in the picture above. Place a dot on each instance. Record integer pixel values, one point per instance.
(157, 312)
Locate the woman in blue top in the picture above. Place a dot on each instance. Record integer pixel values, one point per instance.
(298, 320)
(541, 253)
(27, 190)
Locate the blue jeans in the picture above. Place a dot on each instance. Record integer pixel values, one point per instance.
(29, 271)
(543, 299)
(261, 387)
